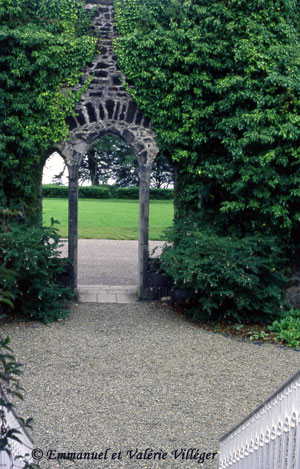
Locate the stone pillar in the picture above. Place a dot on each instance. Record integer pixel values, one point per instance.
(73, 219)
(143, 252)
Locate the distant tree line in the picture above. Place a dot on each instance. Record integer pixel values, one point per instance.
(111, 158)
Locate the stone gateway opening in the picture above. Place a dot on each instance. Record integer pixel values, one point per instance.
(107, 108)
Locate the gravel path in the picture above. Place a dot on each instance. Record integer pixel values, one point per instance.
(137, 376)
(108, 261)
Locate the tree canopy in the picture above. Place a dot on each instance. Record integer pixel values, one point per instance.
(111, 158)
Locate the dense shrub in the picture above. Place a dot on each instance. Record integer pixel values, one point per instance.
(31, 252)
(226, 277)
(106, 192)
(126, 193)
(161, 194)
(94, 192)
(10, 371)
(5, 296)
(84, 192)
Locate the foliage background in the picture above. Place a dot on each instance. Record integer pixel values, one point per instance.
(220, 83)
(111, 158)
(44, 46)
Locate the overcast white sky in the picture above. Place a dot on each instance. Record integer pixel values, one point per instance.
(53, 166)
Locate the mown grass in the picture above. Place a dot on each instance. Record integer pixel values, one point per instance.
(109, 218)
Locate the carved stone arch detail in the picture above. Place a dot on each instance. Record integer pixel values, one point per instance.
(106, 106)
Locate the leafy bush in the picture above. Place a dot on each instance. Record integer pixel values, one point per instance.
(287, 329)
(31, 251)
(105, 192)
(133, 193)
(226, 277)
(126, 193)
(5, 296)
(161, 194)
(10, 371)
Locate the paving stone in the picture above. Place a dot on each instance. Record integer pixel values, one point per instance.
(106, 297)
(126, 297)
(107, 294)
(88, 297)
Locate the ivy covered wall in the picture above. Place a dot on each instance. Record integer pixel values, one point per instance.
(44, 46)
(220, 82)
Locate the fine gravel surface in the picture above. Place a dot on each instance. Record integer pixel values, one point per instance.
(109, 261)
(128, 377)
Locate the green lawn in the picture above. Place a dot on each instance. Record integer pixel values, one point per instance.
(109, 218)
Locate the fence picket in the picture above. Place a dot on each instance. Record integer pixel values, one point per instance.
(269, 438)
(21, 448)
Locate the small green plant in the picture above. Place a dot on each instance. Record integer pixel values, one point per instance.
(287, 329)
(10, 388)
(238, 327)
(5, 296)
(258, 335)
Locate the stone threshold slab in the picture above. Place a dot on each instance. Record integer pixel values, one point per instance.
(107, 293)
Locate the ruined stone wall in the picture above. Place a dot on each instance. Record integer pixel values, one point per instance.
(106, 106)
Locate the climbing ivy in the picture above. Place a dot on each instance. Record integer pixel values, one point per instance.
(220, 82)
(44, 45)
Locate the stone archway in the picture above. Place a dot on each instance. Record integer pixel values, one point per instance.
(106, 107)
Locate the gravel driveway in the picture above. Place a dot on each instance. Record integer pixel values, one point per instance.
(139, 376)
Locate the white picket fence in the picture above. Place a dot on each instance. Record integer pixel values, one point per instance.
(22, 448)
(269, 438)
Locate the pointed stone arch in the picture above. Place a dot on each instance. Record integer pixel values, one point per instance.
(106, 107)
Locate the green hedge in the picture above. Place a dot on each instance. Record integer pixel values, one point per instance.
(105, 192)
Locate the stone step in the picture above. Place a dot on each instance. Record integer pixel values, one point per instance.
(107, 293)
